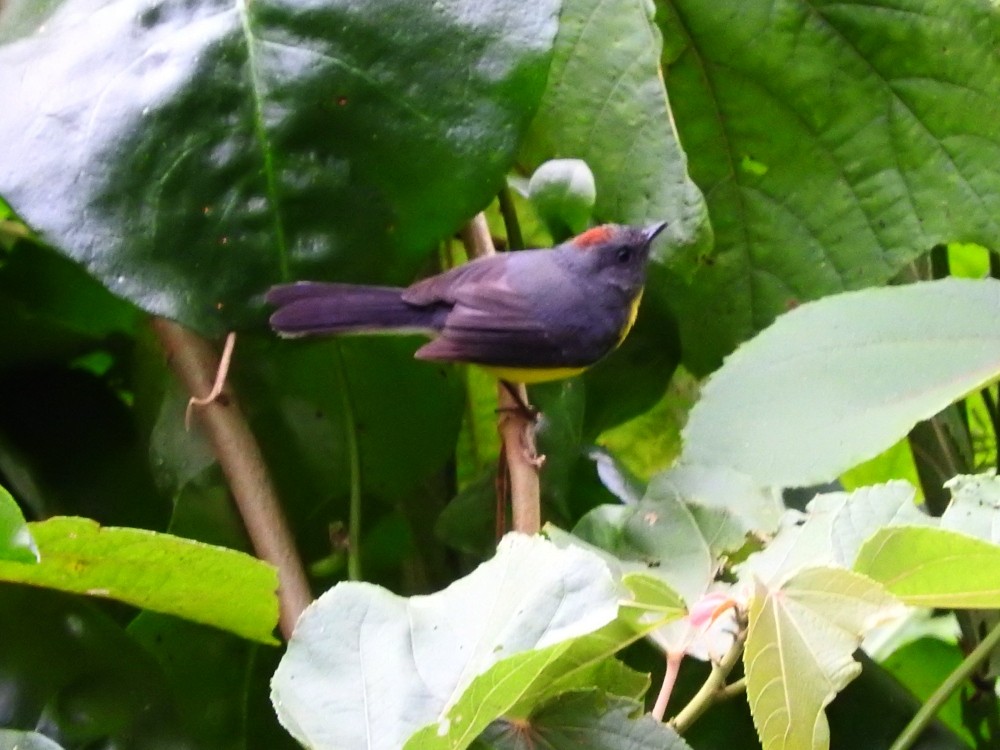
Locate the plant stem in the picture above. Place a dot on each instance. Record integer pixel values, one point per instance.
(669, 678)
(354, 463)
(516, 429)
(923, 717)
(195, 362)
(714, 686)
(515, 240)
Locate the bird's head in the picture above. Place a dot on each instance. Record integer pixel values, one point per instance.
(616, 252)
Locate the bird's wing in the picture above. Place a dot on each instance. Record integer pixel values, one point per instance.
(490, 322)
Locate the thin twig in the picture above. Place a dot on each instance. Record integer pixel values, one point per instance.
(925, 715)
(515, 240)
(354, 461)
(196, 364)
(220, 380)
(516, 428)
(714, 686)
(674, 660)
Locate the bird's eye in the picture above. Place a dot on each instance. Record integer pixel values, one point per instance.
(624, 253)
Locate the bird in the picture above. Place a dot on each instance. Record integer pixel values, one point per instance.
(528, 316)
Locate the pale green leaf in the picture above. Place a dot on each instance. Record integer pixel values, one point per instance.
(832, 530)
(931, 567)
(837, 381)
(974, 507)
(756, 507)
(367, 668)
(162, 573)
(799, 648)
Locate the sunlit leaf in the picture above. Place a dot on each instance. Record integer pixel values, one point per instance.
(835, 382)
(210, 585)
(932, 567)
(799, 650)
(389, 665)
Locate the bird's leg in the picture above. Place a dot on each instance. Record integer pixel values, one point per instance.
(526, 410)
(528, 419)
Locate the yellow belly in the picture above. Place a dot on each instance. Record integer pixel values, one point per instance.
(529, 375)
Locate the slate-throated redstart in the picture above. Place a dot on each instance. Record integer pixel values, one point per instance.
(526, 316)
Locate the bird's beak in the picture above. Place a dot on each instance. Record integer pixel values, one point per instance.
(650, 232)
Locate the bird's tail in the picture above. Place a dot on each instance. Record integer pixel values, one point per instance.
(308, 308)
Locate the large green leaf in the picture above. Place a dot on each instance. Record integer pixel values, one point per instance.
(210, 585)
(835, 142)
(390, 666)
(208, 149)
(837, 381)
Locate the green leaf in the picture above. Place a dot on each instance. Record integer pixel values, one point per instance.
(835, 143)
(210, 585)
(930, 567)
(606, 104)
(16, 542)
(392, 665)
(585, 718)
(835, 382)
(798, 651)
(210, 149)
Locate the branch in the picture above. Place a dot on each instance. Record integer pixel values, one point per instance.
(516, 429)
(715, 687)
(195, 363)
(923, 717)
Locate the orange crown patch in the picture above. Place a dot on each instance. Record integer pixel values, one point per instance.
(595, 236)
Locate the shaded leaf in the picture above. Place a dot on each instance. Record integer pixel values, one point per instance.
(799, 648)
(835, 142)
(664, 537)
(588, 719)
(392, 665)
(835, 382)
(208, 150)
(210, 585)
